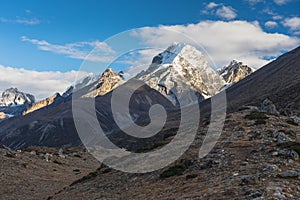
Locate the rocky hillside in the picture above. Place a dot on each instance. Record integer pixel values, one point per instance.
(181, 67)
(55, 99)
(37, 173)
(278, 81)
(257, 157)
(235, 71)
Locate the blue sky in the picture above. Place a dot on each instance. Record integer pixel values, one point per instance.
(54, 36)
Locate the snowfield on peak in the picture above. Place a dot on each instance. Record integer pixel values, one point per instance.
(235, 71)
(179, 68)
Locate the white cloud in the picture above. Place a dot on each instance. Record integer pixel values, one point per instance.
(281, 2)
(220, 10)
(226, 12)
(211, 5)
(24, 21)
(292, 23)
(40, 84)
(139, 62)
(277, 17)
(102, 52)
(222, 40)
(271, 24)
(273, 14)
(252, 2)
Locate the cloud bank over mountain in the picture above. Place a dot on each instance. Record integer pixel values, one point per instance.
(41, 84)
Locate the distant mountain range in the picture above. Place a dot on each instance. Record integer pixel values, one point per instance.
(50, 122)
(179, 66)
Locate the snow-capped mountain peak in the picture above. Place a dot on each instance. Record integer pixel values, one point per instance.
(14, 102)
(235, 71)
(108, 81)
(13, 97)
(180, 66)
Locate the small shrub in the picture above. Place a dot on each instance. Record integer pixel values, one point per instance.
(151, 147)
(104, 169)
(57, 162)
(77, 156)
(26, 165)
(159, 144)
(292, 122)
(10, 155)
(87, 177)
(169, 134)
(107, 170)
(260, 121)
(244, 108)
(256, 116)
(191, 176)
(176, 170)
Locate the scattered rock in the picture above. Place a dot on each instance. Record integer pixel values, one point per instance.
(250, 108)
(251, 123)
(293, 155)
(247, 179)
(275, 153)
(275, 192)
(268, 106)
(289, 174)
(295, 118)
(47, 157)
(271, 167)
(281, 137)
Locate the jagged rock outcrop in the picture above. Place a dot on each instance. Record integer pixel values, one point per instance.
(108, 81)
(178, 68)
(45, 102)
(268, 106)
(3, 116)
(235, 71)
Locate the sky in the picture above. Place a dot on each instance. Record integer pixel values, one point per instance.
(47, 45)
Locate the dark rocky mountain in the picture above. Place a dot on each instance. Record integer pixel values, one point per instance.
(279, 81)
